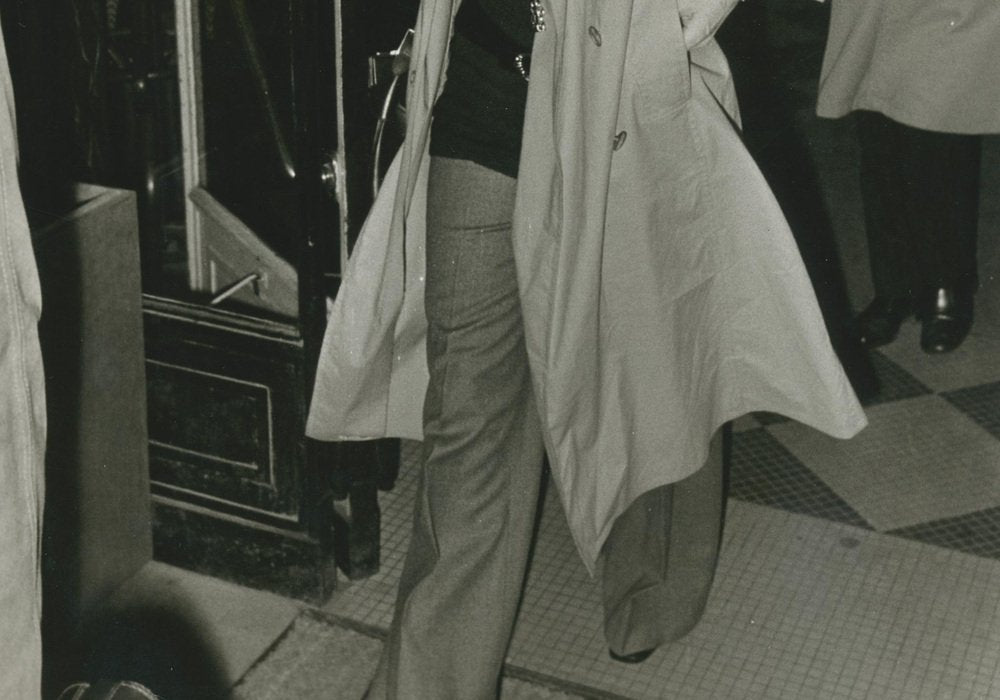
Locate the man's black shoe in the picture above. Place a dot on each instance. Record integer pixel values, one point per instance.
(947, 320)
(879, 323)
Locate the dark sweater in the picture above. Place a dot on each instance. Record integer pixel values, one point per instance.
(479, 115)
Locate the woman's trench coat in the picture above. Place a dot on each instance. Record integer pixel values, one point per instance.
(22, 426)
(661, 289)
(931, 64)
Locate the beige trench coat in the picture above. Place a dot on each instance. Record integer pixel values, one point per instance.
(662, 291)
(22, 427)
(931, 64)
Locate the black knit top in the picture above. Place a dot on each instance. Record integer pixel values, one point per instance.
(480, 114)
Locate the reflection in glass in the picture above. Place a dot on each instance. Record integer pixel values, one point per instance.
(247, 83)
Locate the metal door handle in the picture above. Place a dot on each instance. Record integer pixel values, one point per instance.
(236, 286)
(329, 175)
(400, 67)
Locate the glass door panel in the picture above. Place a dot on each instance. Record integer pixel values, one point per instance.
(246, 106)
(244, 229)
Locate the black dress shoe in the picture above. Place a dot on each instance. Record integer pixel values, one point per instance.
(947, 319)
(636, 657)
(879, 323)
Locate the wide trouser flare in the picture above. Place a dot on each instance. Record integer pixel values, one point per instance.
(478, 494)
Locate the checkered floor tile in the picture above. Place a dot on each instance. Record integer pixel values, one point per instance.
(975, 533)
(918, 460)
(976, 362)
(802, 608)
(981, 403)
(894, 383)
(764, 472)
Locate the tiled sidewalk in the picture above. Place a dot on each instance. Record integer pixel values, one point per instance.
(803, 606)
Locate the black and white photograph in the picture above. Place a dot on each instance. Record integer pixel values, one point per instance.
(500, 349)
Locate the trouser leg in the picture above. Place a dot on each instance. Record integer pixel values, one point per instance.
(482, 457)
(659, 560)
(920, 191)
(941, 191)
(891, 246)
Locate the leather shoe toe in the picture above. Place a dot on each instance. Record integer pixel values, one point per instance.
(636, 657)
(879, 323)
(940, 335)
(946, 321)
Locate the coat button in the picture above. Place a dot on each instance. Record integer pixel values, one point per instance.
(619, 140)
(595, 35)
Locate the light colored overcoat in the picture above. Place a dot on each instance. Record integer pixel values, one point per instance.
(22, 427)
(931, 64)
(663, 294)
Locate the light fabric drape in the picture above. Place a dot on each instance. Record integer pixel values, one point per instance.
(662, 291)
(931, 64)
(22, 426)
